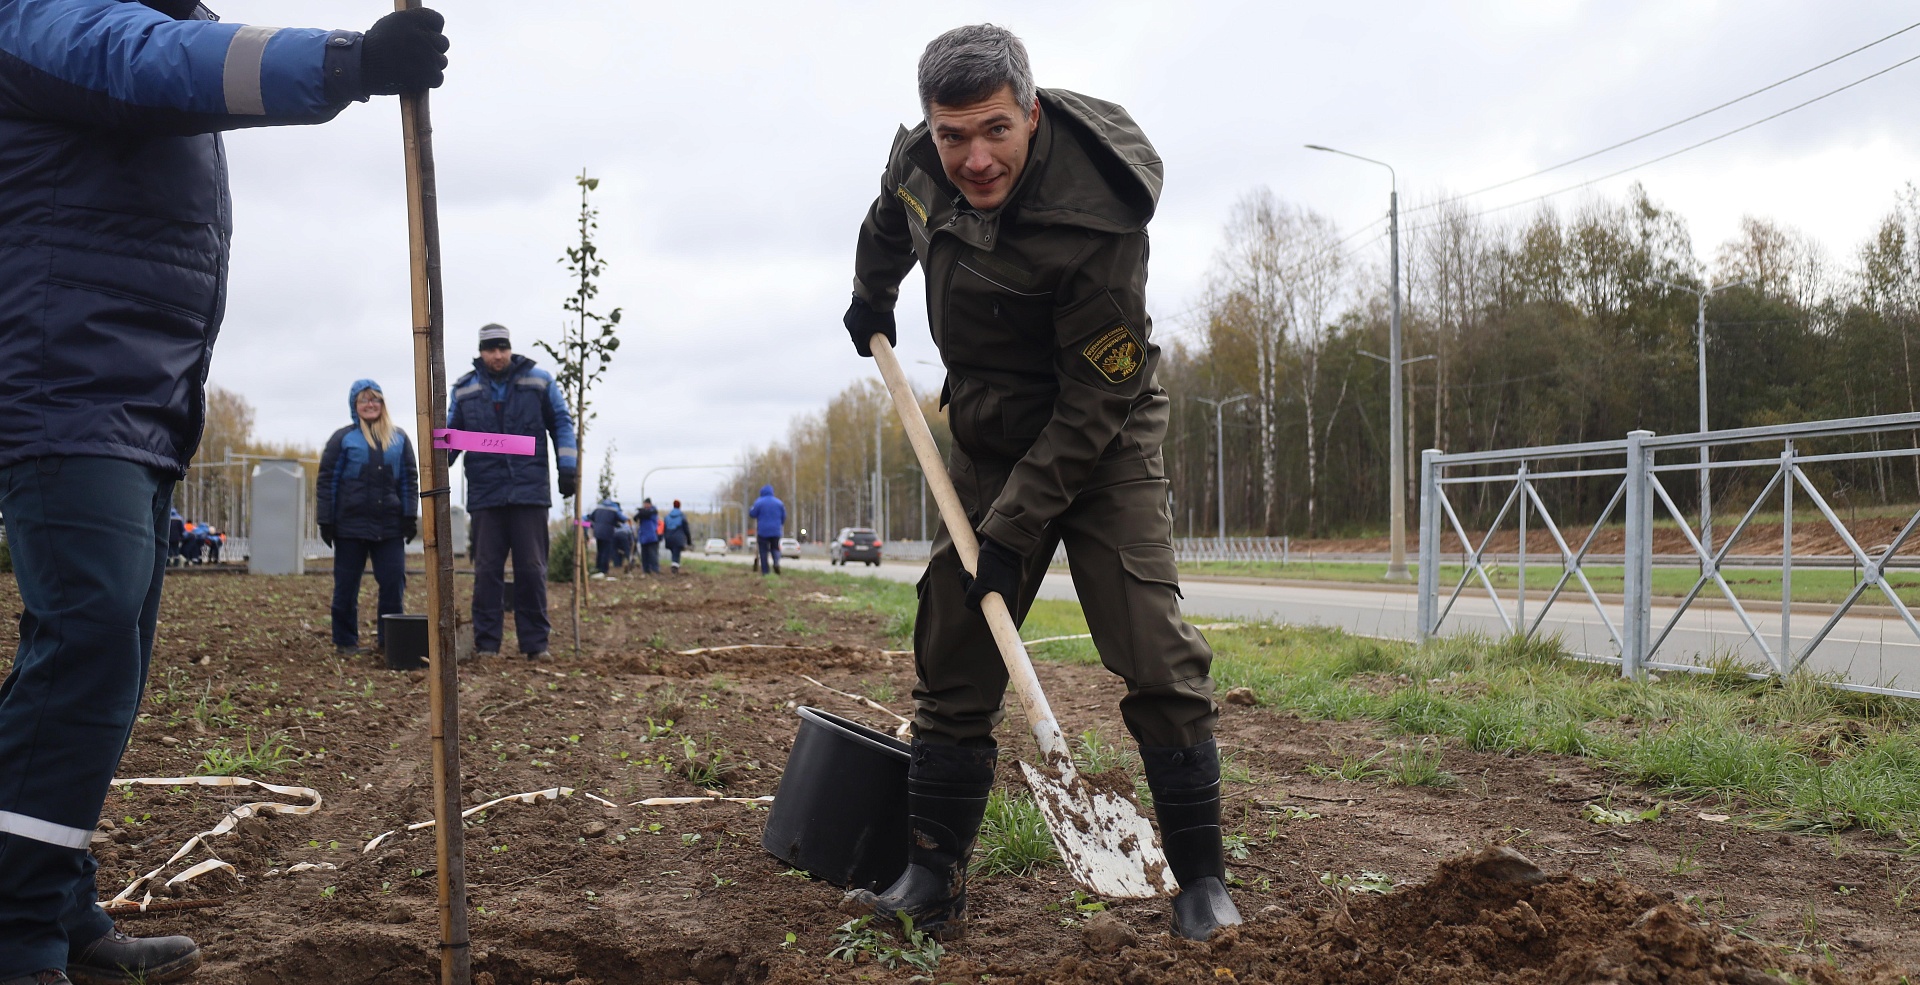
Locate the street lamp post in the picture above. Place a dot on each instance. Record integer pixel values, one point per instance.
(1220, 455)
(1700, 333)
(1396, 413)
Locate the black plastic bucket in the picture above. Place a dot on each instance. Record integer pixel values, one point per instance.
(841, 812)
(406, 641)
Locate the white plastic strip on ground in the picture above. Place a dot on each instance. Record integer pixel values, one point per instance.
(226, 824)
(531, 797)
(906, 724)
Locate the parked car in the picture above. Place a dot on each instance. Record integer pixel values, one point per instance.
(714, 545)
(789, 547)
(854, 544)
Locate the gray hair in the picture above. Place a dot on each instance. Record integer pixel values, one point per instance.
(968, 64)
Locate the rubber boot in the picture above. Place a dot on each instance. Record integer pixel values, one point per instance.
(1186, 798)
(947, 789)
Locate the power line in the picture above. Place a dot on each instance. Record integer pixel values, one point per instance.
(1662, 129)
(1690, 147)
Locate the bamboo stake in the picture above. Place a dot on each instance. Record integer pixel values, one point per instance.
(430, 397)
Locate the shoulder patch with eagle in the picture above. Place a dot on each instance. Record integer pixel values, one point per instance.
(1116, 354)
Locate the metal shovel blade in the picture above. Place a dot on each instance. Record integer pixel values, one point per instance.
(1105, 842)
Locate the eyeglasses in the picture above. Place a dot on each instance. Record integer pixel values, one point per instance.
(372, 398)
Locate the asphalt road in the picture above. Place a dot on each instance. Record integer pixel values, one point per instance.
(1871, 648)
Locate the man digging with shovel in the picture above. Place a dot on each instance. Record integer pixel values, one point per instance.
(1027, 210)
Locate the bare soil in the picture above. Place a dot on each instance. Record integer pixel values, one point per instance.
(576, 891)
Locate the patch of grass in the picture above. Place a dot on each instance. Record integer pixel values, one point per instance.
(707, 766)
(272, 756)
(881, 692)
(1418, 766)
(1352, 769)
(1092, 753)
(1013, 839)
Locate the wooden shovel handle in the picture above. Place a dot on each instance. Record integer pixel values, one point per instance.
(1046, 730)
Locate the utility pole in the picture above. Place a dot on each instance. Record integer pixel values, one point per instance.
(1700, 333)
(1396, 422)
(1220, 455)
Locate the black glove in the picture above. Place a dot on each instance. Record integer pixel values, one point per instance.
(404, 51)
(409, 527)
(326, 534)
(999, 572)
(863, 323)
(569, 481)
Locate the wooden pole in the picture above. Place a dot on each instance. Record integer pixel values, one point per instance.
(436, 528)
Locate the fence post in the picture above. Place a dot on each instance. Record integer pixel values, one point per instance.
(1785, 658)
(1429, 570)
(1638, 590)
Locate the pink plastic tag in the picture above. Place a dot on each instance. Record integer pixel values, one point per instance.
(498, 444)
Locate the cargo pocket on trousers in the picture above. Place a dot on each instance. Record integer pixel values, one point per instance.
(1151, 563)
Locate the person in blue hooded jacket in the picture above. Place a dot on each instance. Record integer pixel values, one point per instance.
(678, 535)
(646, 529)
(508, 496)
(607, 521)
(367, 502)
(115, 221)
(770, 521)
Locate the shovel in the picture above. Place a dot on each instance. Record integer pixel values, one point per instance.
(1107, 845)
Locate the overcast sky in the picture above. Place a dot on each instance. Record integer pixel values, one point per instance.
(739, 145)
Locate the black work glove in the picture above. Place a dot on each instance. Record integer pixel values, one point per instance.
(409, 527)
(999, 572)
(404, 51)
(326, 534)
(863, 323)
(569, 481)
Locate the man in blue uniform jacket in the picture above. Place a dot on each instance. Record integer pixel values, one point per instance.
(508, 496)
(114, 225)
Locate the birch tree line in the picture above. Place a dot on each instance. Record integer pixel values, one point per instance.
(1551, 328)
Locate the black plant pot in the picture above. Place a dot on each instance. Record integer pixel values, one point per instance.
(841, 811)
(406, 641)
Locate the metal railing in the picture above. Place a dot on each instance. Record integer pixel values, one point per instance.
(1679, 635)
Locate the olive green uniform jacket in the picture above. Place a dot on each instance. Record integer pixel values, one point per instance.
(1039, 311)
(1039, 308)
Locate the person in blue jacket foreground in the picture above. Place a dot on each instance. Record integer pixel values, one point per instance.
(367, 502)
(607, 521)
(508, 496)
(770, 521)
(116, 220)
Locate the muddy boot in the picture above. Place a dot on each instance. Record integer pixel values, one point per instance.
(1186, 798)
(947, 790)
(116, 958)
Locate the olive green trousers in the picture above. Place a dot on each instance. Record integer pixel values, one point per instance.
(1119, 540)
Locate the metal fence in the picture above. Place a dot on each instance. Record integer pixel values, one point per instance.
(1709, 625)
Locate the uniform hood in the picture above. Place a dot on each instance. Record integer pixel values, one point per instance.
(766, 490)
(353, 397)
(1091, 166)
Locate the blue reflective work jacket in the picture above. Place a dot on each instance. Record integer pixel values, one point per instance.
(646, 521)
(366, 495)
(770, 513)
(522, 400)
(607, 520)
(114, 213)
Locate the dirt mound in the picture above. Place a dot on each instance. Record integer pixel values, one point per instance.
(1489, 918)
